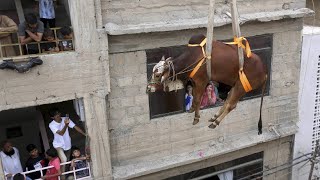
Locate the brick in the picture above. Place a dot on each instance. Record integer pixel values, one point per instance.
(127, 81)
(141, 100)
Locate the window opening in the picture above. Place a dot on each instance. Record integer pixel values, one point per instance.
(164, 104)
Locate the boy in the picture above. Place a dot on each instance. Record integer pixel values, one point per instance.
(50, 46)
(66, 36)
(31, 31)
(35, 161)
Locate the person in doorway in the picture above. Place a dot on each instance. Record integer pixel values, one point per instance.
(10, 159)
(35, 161)
(54, 172)
(60, 129)
(31, 31)
(47, 13)
(7, 25)
(78, 162)
(66, 37)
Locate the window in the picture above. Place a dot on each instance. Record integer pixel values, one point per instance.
(248, 167)
(163, 104)
(12, 15)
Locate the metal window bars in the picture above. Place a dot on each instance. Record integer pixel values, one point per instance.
(73, 171)
(20, 46)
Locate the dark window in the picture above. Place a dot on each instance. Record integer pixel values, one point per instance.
(162, 104)
(248, 167)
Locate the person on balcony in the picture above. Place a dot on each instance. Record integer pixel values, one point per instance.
(60, 129)
(10, 159)
(31, 31)
(7, 26)
(54, 172)
(46, 12)
(35, 161)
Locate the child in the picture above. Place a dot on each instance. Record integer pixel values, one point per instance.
(77, 162)
(188, 98)
(66, 36)
(52, 173)
(50, 46)
(35, 161)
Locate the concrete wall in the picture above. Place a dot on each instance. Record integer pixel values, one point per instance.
(143, 143)
(146, 11)
(315, 6)
(66, 75)
(83, 73)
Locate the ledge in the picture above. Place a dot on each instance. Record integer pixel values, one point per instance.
(221, 20)
(229, 145)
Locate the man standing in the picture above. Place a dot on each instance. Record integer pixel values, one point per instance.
(59, 127)
(7, 25)
(46, 12)
(31, 31)
(10, 159)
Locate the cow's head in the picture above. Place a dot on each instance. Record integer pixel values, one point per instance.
(160, 73)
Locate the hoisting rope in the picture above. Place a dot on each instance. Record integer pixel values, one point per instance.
(243, 78)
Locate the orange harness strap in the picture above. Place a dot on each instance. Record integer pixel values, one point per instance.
(194, 71)
(243, 78)
(244, 81)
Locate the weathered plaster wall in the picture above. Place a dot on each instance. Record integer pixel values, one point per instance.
(140, 146)
(146, 11)
(66, 75)
(315, 6)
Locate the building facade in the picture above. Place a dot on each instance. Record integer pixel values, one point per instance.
(134, 135)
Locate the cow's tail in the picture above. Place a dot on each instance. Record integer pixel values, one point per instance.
(260, 119)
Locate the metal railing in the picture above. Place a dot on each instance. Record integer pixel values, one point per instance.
(73, 171)
(21, 46)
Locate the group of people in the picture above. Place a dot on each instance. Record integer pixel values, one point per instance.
(60, 152)
(33, 31)
(209, 98)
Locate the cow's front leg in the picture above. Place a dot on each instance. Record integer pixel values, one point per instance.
(197, 93)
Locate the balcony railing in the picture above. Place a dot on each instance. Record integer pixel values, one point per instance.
(20, 50)
(73, 171)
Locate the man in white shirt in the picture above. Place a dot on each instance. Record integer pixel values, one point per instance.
(10, 159)
(60, 129)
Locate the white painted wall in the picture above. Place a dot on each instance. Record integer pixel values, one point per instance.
(307, 96)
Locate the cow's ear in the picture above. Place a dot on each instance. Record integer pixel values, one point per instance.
(163, 58)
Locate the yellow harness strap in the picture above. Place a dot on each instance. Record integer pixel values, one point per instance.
(238, 41)
(194, 71)
(244, 81)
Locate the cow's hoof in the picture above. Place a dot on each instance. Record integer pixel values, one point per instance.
(195, 121)
(212, 126)
(212, 120)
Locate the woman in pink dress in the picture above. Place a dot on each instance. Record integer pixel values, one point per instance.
(209, 97)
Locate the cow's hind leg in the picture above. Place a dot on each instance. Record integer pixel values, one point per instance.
(234, 96)
(217, 114)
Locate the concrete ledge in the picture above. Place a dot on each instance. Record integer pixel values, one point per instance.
(246, 140)
(183, 24)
